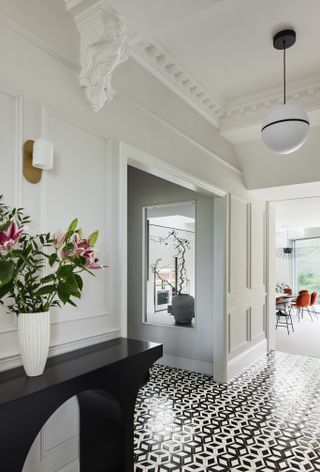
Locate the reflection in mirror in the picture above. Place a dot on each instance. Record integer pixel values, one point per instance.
(170, 264)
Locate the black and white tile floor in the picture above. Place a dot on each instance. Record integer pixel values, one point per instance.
(265, 419)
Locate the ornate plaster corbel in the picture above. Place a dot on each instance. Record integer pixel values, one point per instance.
(103, 46)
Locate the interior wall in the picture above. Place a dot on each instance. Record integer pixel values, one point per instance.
(183, 346)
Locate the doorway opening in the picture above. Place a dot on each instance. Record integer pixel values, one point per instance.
(297, 270)
(185, 346)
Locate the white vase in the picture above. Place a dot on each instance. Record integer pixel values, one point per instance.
(34, 338)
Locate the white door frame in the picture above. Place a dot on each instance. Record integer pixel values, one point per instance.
(124, 155)
(270, 276)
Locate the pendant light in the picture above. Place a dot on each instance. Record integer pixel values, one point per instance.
(285, 128)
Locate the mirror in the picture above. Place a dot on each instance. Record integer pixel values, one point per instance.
(169, 275)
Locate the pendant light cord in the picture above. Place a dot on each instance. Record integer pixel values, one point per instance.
(284, 74)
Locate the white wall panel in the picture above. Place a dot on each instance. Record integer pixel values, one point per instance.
(238, 329)
(79, 184)
(257, 322)
(238, 249)
(257, 247)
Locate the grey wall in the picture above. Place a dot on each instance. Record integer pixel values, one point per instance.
(196, 343)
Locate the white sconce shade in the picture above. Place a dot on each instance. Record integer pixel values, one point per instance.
(285, 129)
(42, 154)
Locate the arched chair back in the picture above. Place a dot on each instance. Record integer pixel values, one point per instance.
(314, 298)
(303, 303)
(287, 290)
(303, 300)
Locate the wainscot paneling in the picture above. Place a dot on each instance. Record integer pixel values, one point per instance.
(238, 244)
(257, 322)
(238, 330)
(82, 174)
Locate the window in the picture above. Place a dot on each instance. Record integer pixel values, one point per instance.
(307, 264)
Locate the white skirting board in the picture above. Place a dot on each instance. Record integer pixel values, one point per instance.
(186, 364)
(245, 358)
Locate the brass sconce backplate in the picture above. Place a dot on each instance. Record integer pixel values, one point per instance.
(32, 174)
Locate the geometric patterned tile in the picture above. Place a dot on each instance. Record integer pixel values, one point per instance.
(266, 419)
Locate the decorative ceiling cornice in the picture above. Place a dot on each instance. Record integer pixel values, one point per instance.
(253, 111)
(162, 62)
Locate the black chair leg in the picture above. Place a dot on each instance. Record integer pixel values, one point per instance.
(310, 314)
(291, 322)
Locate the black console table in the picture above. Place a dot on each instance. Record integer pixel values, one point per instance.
(105, 377)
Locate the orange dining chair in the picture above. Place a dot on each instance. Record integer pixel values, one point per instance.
(287, 291)
(302, 303)
(303, 291)
(313, 302)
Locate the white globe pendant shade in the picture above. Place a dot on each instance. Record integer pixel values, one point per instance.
(285, 129)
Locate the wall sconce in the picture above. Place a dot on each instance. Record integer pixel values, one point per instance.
(37, 156)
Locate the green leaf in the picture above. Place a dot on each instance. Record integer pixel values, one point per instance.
(45, 290)
(73, 226)
(79, 281)
(48, 278)
(5, 226)
(65, 271)
(52, 259)
(93, 238)
(64, 292)
(75, 293)
(4, 290)
(70, 279)
(6, 272)
(71, 302)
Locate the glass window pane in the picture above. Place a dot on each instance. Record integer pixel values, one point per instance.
(307, 264)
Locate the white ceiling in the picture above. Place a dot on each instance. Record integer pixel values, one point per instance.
(230, 44)
(150, 17)
(299, 213)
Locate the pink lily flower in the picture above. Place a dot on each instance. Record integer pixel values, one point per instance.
(83, 248)
(58, 239)
(9, 237)
(93, 263)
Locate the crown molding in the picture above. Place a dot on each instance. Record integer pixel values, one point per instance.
(243, 121)
(157, 57)
(308, 97)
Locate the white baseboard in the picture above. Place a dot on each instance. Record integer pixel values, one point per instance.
(186, 364)
(245, 358)
(10, 362)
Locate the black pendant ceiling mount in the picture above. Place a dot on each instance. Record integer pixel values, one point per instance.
(284, 39)
(285, 128)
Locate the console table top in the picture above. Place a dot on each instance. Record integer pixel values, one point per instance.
(14, 384)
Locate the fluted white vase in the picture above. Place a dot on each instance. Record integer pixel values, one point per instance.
(34, 338)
